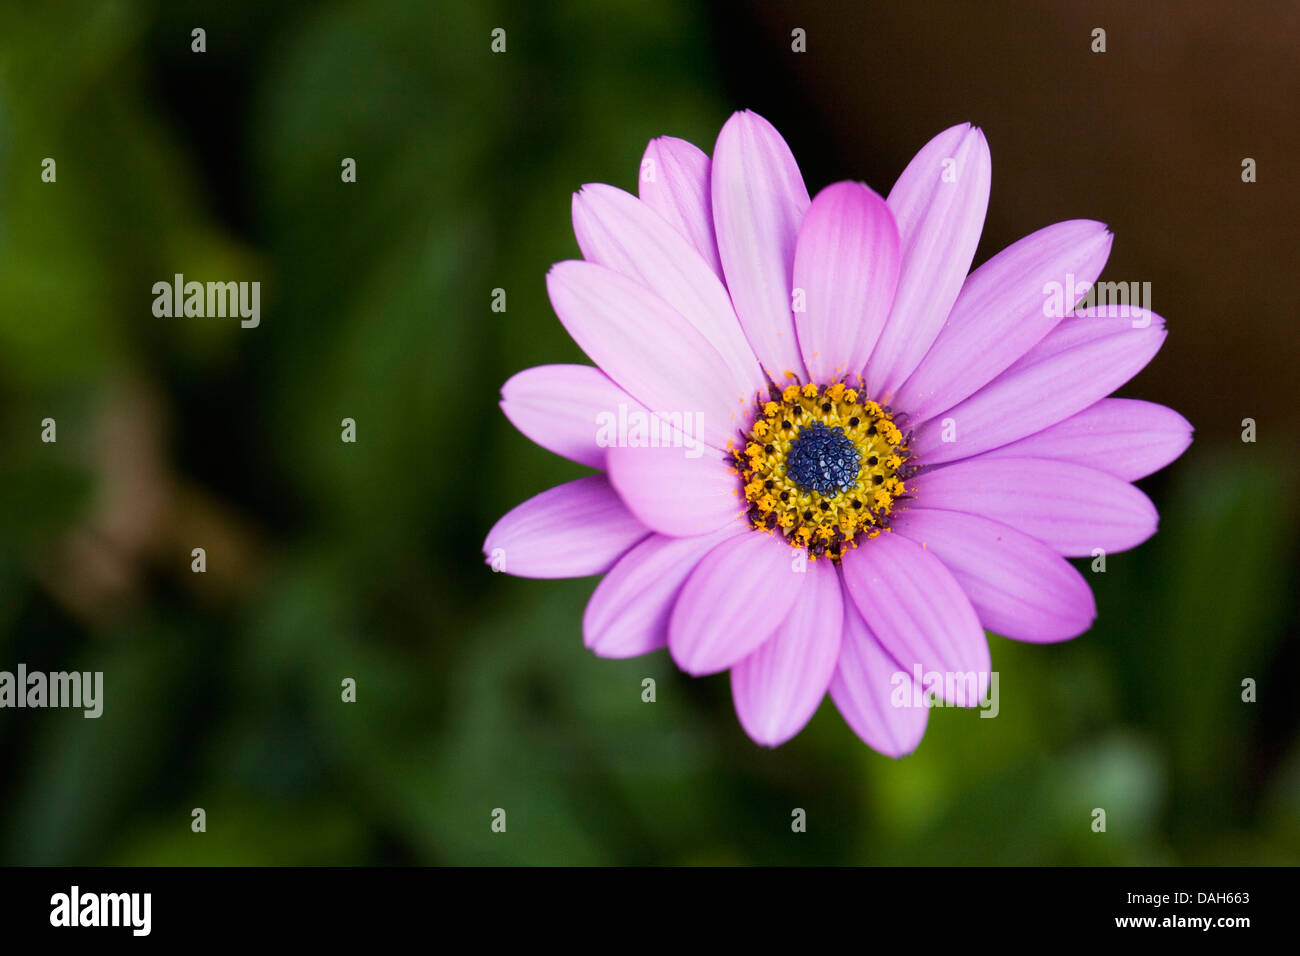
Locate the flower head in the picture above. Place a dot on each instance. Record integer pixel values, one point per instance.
(831, 458)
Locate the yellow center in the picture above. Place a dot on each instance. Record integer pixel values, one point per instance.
(829, 520)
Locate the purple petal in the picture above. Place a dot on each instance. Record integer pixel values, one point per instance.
(569, 531)
(562, 407)
(627, 615)
(1068, 507)
(674, 182)
(1019, 587)
(733, 601)
(1123, 437)
(939, 203)
(673, 493)
(645, 346)
(875, 697)
(1003, 311)
(846, 269)
(778, 687)
(1082, 360)
(618, 231)
(759, 199)
(919, 613)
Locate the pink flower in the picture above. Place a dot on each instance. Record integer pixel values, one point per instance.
(832, 458)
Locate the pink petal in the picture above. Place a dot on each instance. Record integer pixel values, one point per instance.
(617, 230)
(1068, 507)
(1002, 312)
(759, 199)
(733, 602)
(675, 494)
(628, 614)
(939, 225)
(648, 348)
(919, 613)
(562, 408)
(1120, 436)
(1019, 587)
(569, 531)
(1082, 360)
(846, 267)
(875, 697)
(778, 687)
(675, 183)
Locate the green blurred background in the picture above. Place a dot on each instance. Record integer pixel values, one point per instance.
(329, 560)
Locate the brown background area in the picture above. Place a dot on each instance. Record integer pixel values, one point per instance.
(1147, 137)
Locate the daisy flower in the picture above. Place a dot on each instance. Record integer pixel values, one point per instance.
(831, 459)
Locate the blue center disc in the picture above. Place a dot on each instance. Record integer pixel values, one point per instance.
(823, 459)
